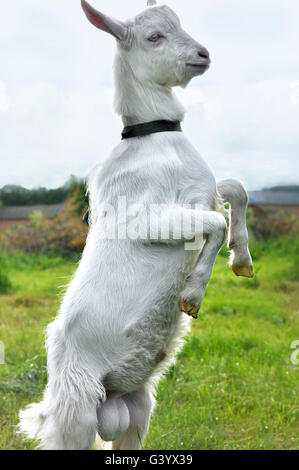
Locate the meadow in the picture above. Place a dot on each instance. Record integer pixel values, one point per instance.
(234, 385)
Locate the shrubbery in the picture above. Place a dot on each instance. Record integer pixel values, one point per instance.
(63, 235)
(268, 223)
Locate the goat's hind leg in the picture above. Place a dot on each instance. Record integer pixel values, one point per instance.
(234, 193)
(66, 418)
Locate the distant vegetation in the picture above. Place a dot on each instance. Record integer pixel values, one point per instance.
(13, 195)
(271, 223)
(288, 189)
(65, 234)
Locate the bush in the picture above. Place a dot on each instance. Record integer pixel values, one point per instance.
(268, 222)
(63, 235)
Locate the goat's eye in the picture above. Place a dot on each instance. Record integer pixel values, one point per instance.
(155, 37)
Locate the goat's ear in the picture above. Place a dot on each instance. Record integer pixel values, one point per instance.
(104, 22)
(150, 3)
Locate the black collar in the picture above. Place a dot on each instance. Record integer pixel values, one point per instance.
(140, 130)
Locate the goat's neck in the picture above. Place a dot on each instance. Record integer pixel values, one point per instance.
(138, 103)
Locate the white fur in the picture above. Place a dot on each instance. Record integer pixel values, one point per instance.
(119, 326)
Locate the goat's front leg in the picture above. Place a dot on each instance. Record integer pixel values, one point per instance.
(234, 193)
(215, 231)
(198, 225)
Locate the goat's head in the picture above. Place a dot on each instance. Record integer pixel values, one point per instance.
(154, 45)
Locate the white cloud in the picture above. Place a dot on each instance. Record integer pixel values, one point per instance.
(56, 115)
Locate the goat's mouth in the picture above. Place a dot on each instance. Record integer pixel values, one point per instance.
(200, 66)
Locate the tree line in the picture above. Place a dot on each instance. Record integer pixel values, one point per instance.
(14, 195)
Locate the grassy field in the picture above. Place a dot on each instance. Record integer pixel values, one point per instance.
(233, 386)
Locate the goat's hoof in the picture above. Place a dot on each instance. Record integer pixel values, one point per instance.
(244, 271)
(190, 309)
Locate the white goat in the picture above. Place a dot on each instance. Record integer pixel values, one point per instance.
(121, 321)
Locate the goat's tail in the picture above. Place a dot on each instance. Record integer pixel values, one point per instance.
(66, 419)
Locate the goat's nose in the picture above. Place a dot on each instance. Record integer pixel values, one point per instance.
(204, 53)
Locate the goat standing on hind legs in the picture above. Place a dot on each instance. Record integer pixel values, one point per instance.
(123, 316)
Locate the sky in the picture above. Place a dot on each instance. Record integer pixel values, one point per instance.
(56, 89)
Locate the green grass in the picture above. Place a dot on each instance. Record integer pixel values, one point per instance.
(233, 386)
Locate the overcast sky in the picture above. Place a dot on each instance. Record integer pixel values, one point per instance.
(56, 89)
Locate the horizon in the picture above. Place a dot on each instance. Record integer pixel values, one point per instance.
(82, 179)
